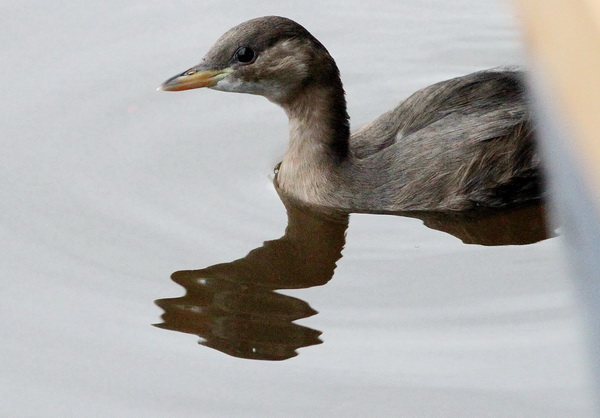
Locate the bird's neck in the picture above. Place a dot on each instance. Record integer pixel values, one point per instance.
(318, 146)
(318, 123)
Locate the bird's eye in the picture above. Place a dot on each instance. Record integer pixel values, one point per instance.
(245, 55)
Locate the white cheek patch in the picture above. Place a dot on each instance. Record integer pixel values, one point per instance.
(227, 84)
(236, 86)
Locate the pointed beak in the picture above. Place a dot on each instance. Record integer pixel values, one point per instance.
(194, 78)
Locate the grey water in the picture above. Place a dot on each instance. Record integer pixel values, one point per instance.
(110, 187)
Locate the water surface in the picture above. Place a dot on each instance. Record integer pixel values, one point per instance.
(110, 187)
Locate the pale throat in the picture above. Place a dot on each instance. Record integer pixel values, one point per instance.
(312, 129)
(308, 164)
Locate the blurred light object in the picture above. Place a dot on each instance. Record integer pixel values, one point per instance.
(563, 41)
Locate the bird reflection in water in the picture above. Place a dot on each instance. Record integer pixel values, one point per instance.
(233, 307)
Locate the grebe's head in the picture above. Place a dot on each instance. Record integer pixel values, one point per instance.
(270, 56)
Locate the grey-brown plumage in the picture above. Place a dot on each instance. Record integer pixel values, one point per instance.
(454, 145)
